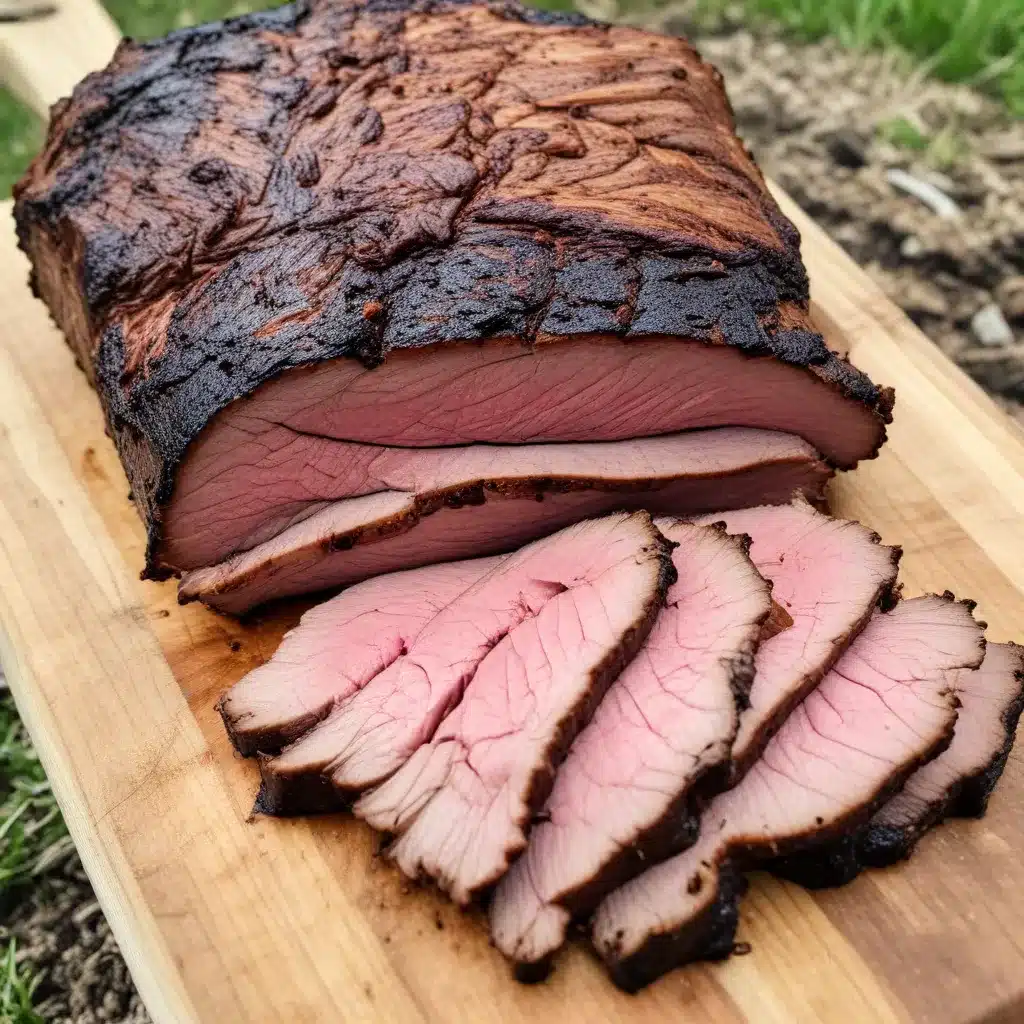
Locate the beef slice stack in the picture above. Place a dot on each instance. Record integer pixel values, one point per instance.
(611, 724)
(368, 285)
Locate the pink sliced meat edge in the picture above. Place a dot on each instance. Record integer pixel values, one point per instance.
(686, 908)
(630, 791)
(512, 497)
(337, 648)
(957, 784)
(829, 575)
(369, 735)
(462, 804)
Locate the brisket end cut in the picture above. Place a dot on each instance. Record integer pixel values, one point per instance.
(630, 792)
(885, 709)
(419, 224)
(463, 803)
(957, 784)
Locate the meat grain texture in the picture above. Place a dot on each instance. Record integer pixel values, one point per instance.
(472, 502)
(628, 793)
(957, 784)
(828, 575)
(416, 224)
(888, 706)
(338, 647)
(463, 801)
(371, 734)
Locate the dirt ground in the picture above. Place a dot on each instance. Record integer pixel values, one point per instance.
(921, 182)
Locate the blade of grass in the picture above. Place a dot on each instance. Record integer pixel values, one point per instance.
(16, 991)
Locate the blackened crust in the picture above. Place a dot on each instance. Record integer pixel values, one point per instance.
(710, 936)
(314, 183)
(270, 739)
(884, 845)
(285, 795)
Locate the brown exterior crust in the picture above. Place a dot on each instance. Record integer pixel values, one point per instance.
(879, 846)
(336, 180)
(710, 936)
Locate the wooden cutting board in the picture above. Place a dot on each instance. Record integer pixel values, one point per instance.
(222, 919)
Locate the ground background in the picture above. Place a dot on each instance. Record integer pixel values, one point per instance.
(896, 123)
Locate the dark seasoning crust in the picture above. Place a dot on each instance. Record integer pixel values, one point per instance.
(194, 241)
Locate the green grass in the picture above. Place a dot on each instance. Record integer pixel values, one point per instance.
(32, 833)
(16, 990)
(980, 42)
(143, 19)
(32, 840)
(20, 136)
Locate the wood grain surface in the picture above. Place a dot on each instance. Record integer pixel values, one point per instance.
(225, 919)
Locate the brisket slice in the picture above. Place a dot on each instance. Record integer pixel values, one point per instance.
(337, 648)
(466, 502)
(829, 576)
(415, 223)
(462, 804)
(957, 784)
(885, 708)
(628, 792)
(370, 735)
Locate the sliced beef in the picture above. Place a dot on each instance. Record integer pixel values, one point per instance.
(337, 648)
(463, 802)
(885, 708)
(369, 736)
(958, 783)
(828, 576)
(458, 503)
(261, 469)
(627, 793)
(416, 224)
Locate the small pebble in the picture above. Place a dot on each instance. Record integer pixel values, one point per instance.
(990, 327)
(847, 148)
(911, 247)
